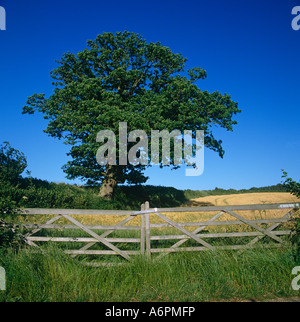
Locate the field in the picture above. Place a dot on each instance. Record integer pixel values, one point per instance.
(246, 199)
(223, 200)
(259, 274)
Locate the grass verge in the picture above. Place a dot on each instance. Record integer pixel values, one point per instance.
(190, 277)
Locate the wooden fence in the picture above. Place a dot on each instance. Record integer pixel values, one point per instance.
(200, 235)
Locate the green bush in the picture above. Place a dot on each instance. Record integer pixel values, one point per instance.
(295, 238)
(12, 163)
(10, 236)
(9, 233)
(291, 186)
(294, 188)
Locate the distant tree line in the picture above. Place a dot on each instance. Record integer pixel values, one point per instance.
(219, 191)
(18, 191)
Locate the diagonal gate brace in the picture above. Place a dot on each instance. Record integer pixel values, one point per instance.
(269, 229)
(190, 234)
(105, 234)
(96, 236)
(31, 243)
(197, 230)
(266, 232)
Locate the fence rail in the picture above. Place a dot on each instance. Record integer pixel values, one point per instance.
(145, 229)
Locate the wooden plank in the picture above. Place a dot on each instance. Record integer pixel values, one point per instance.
(193, 249)
(190, 234)
(31, 243)
(201, 248)
(47, 211)
(219, 235)
(82, 239)
(223, 223)
(94, 227)
(82, 212)
(103, 264)
(99, 252)
(102, 240)
(230, 208)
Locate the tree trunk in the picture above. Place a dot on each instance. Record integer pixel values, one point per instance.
(108, 185)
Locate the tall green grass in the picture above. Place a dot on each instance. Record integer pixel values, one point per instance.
(204, 276)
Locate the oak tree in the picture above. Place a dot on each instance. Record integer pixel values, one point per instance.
(122, 78)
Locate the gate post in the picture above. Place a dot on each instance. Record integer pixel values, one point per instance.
(147, 226)
(142, 230)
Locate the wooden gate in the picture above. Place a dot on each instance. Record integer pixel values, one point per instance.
(201, 234)
(93, 238)
(200, 237)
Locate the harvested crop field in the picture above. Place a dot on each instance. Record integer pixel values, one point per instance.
(238, 199)
(246, 199)
(219, 200)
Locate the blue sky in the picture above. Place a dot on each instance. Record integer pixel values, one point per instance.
(248, 49)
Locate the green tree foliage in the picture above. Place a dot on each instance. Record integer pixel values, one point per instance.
(122, 78)
(10, 235)
(291, 185)
(12, 163)
(294, 188)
